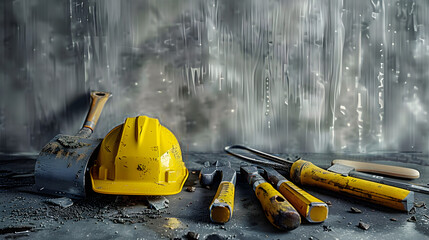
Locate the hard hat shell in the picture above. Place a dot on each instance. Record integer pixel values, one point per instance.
(139, 157)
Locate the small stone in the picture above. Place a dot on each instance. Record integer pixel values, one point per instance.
(419, 204)
(327, 228)
(193, 236)
(412, 211)
(328, 203)
(190, 189)
(364, 226)
(412, 219)
(393, 219)
(355, 210)
(63, 202)
(116, 232)
(207, 187)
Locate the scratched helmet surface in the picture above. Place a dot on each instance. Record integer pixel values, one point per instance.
(139, 157)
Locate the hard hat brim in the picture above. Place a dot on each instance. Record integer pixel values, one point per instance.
(136, 188)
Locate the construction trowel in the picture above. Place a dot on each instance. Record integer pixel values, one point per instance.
(62, 163)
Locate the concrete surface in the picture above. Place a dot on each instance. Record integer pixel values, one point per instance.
(123, 217)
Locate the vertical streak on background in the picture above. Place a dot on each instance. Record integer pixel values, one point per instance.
(317, 76)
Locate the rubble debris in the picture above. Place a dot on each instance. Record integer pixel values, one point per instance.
(364, 226)
(355, 210)
(158, 202)
(419, 204)
(63, 202)
(426, 215)
(217, 237)
(190, 189)
(412, 210)
(393, 219)
(328, 203)
(71, 141)
(412, 219)
(193, 236)
(19, 229)
(327, 228)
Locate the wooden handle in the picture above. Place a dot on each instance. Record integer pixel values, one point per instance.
(98, 101)
(306, 173)
(311, 208)
(388, 170)
(223, 203)
(277, 209)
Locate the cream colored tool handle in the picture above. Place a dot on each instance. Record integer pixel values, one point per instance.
(388, 170)
(98, 101)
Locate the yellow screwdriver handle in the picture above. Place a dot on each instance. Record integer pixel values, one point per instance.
(277, 209)
(306, 173)
(310, 207)
(223, 203)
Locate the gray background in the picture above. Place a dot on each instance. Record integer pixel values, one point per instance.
(308, 76)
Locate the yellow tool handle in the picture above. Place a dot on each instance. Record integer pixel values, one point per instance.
(98, 101)
(223, 203)
(277, 209)
(311, 208)
(306, 173)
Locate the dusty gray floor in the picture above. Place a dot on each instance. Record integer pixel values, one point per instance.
(122, 217)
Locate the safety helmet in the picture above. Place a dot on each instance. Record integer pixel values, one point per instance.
(139, 157)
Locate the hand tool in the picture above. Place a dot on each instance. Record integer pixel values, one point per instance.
(62, 163)
(305, 173)
(311, 208)
(383, 169)
(277, 209)
(350, 171)
(223, 202)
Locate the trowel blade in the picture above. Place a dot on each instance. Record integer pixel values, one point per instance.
(62, 165)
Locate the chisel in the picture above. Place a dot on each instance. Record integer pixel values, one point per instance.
(305, 173)
(277, 209)
(311, 208)
(351, 171)
(388, 170)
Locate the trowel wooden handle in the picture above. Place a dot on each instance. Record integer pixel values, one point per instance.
(306, 173)
(277, 209)
(98, 101)
(388, 170)
(223, 203)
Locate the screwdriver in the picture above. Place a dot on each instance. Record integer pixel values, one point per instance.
(305, 173)
(311, 208)
(277, 209)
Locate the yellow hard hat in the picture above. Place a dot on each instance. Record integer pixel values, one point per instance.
(139, 157)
